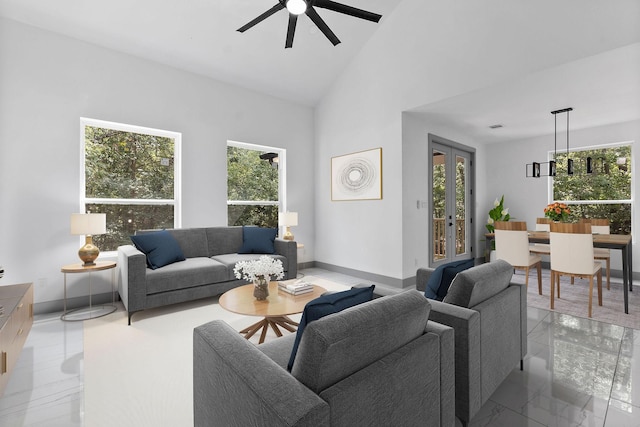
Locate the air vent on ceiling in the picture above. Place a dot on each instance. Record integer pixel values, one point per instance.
(495, 126)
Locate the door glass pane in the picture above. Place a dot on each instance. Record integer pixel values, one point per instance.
(439, 205)
(461, 203)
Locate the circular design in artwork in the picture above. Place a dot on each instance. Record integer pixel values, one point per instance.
(358, 175)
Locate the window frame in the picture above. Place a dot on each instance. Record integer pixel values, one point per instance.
(551, 181)
(282, 176)
(177, 171)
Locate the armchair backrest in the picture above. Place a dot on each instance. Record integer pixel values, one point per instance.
(479, 283)
(338, 345)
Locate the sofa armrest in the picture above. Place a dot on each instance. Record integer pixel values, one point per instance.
(422, 276)
(289, 250)
(132, 277)
(466, 326)
(234, 383)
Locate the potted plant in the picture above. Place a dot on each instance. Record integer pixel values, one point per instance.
(558, 212)
(498, 213)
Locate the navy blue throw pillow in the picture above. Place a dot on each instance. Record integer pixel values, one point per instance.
(160, 247)
(257, 240)
(441, 278)
(325, 305)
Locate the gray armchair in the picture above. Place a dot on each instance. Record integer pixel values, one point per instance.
(489, 316)
(378, 363)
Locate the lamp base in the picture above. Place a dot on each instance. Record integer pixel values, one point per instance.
(287, 234)
(89, 252)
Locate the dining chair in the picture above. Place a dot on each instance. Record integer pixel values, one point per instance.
(601, 226)
(542, 224)
(512, 245)
(572, 255)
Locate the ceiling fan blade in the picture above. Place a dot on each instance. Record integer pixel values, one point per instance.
(313, 15)
(293, 19)
(261, 18)
(348, 10)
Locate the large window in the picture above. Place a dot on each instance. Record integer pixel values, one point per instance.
(254, 184)
(603, 193)
(133, 175)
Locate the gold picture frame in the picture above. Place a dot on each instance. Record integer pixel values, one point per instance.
(357, 176)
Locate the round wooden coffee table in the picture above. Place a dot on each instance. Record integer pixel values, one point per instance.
(275, 308)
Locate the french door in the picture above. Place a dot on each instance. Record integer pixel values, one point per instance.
(451, 201)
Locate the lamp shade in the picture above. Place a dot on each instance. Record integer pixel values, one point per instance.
(289, 219)
(88, 224)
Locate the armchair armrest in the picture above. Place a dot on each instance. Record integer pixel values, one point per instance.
(422, 276)
(234, 383)
(466, 326)
(447, 371)
(288, 249)
(132, 278)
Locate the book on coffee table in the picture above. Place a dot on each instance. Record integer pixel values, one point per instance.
(296, 288)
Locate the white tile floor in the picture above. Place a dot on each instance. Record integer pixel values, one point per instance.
(578, 372)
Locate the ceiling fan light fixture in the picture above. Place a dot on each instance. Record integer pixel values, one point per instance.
(296, 7)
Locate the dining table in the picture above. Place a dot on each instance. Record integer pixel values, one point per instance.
(621, 242)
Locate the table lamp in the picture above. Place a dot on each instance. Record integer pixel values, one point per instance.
(88, 225)
(288, 219)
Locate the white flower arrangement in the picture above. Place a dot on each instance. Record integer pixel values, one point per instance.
(259, 268)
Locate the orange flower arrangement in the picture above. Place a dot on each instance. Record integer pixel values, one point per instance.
(557, 211)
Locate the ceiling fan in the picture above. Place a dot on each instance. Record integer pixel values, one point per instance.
(298, 7)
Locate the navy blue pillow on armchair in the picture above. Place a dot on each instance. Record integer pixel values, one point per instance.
(441, 278)
(325, 305)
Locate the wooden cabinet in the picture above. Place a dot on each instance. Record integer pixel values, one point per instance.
(16, 318)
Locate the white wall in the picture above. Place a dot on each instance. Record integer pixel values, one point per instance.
(47, 82)
(393, 74)
(527, 197)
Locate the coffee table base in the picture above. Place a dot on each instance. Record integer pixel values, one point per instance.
(275, 322)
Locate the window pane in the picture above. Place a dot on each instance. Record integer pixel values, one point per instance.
(128, 165)
(249, 177)
(619, 215)
(610, 180)
(439, 205)
(261, 215)
(124, 220)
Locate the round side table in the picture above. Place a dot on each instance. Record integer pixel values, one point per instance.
(91, 312)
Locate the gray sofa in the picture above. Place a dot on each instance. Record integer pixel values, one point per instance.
(211, 254)
(489, 316)
(379, 363)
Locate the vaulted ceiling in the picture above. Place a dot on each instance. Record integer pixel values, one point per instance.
(200, 36)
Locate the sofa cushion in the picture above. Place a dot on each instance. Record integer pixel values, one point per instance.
(257, 240)
(329, 303)
(193, 241)
(479, 283)
(441, 278)
(190, 273)
(230, 260)
(160, 247)
(338, 345)
(224, 240)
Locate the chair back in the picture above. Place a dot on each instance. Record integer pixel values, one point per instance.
(571, 248)
(598, 225)
(512, 242)
(542, 224)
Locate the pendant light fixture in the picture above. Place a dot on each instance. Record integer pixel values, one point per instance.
(534, 169)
